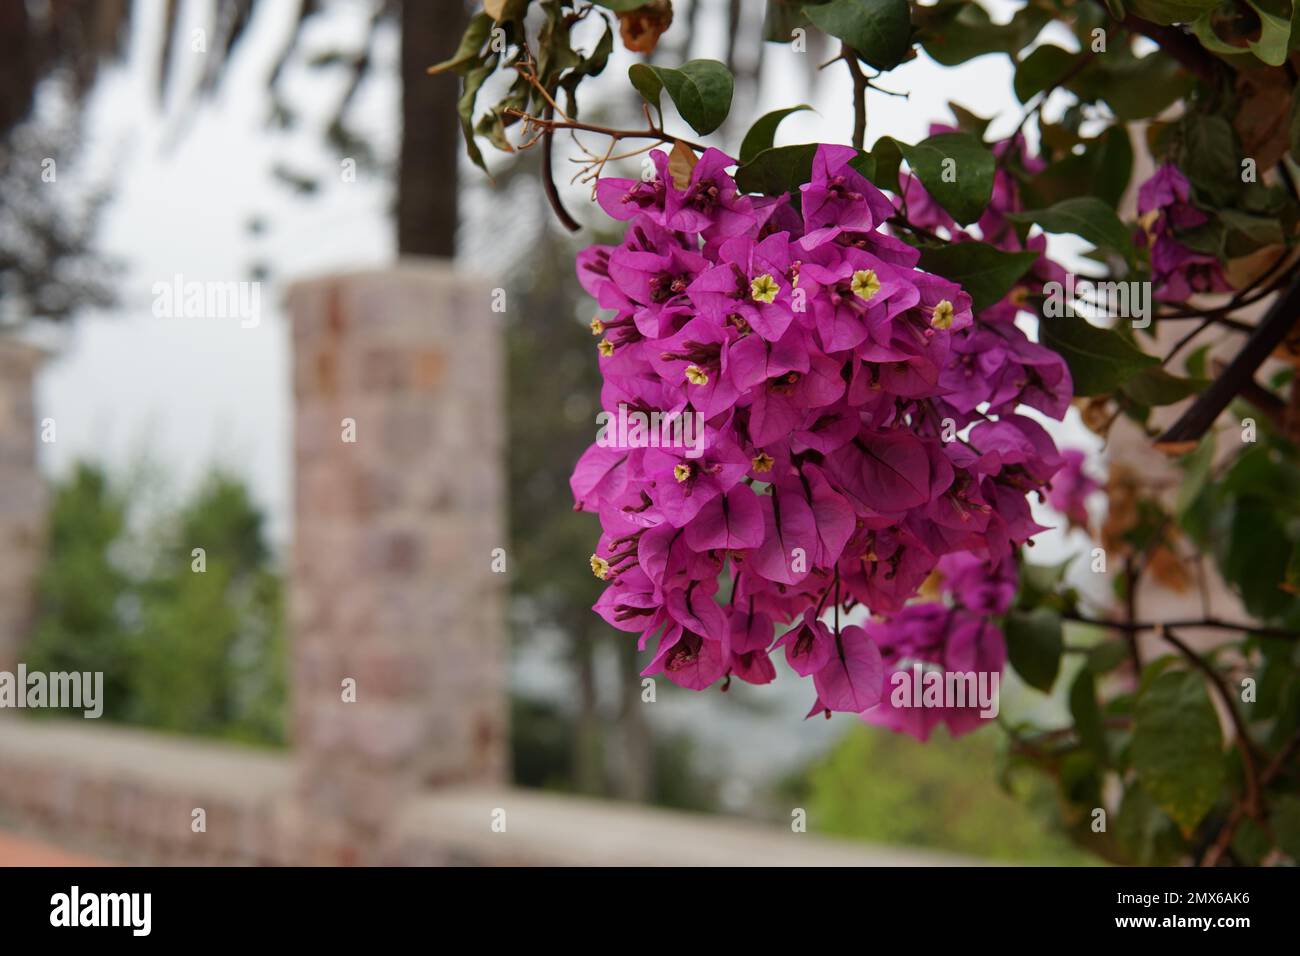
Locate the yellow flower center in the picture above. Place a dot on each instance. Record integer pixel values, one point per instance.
(682, 472)
(696, 375)
(764, 288)
(599, 567)
(1148, 220)
(605, 347)
(597, 326)
(865, 284)
(942, 316)
(762, 462)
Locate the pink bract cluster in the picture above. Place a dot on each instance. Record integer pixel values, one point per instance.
(857, 431)
(1165, 211)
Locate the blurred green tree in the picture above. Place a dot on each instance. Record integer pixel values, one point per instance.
(886, 788)
(210, 649)
(79, 617)
(182, 649)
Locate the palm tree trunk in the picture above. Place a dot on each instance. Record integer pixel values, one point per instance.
(426, 174)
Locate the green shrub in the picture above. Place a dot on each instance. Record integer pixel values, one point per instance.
(182, 649)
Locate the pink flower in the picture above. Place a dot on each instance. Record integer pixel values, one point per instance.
(1165, 210)
(1070, 487)
(820, 365)
(928, 651)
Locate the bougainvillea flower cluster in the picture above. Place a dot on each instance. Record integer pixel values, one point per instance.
(1165, 210)
(860, 431)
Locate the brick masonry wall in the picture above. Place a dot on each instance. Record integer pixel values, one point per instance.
(127, 795)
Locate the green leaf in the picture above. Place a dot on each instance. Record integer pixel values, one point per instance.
(782, 19)
(777, 170)
(887, 157)
(700, 89)
(1285, 817)
(954, 31)
(1134, 87)
(1085, 217)
(969, 122)
(987, 274)
(1171, 11)
(1146, 833)
(1040, 70)
(1196, 467)
(957, 170)
(1087, 715)
(1112, 164)
(1195, 361)
(1038, 582)
(1177, 747)
(1260, 230)
(471, 42)
(1100, 360)
(589, 66)
(762, 135)
(783, 169)
(878, 31)
(1271, 44)
(1154, 386)
(1101, 170)
(1034, 646)
(555, 54)
(1257, 556)
(474, 81)
(1209, 157)
(504, 10)
(1106, 656)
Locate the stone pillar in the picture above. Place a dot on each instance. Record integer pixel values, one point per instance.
(22, 498)
(399, 491)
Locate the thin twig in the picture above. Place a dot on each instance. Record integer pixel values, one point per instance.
(1196, 421)
(859, 97)
(1250, 770)
(652, 132)
(1229, 829)
(548, 184)
(1210, 623)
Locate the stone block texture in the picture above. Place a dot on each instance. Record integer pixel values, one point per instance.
(22, 497)
(398, 487)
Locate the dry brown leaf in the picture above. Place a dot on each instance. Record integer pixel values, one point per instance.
(1095, 414)
(1245, 270)
(1288, 350)
(1262, 116)
(641, 28)
(1122, 488)
(681, 163)
(1168, 570)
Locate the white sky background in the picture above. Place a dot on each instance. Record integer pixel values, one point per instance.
(191, 393)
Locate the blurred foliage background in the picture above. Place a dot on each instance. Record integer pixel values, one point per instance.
(197, 653)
